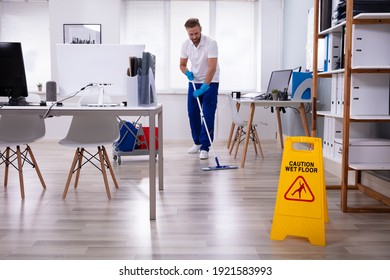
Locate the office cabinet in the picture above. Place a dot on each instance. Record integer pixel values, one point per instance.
(370, 45)
(369, 94)
(365, 150)
(359, 98)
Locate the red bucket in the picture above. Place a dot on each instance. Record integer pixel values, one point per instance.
(146, 135)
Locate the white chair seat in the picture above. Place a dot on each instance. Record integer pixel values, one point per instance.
(87, 132)
(75, 144)
(15, 131)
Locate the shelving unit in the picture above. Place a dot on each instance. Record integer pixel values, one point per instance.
(366, 73)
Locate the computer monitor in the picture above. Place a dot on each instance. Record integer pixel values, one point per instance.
(13, 83)
(279, 80)
(81, 64)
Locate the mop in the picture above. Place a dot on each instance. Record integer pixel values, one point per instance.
(218, 166)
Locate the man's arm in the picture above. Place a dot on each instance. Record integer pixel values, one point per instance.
(212, 67)
(183, 64)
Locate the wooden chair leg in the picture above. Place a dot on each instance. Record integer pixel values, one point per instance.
(80, 161)
(20, 169)
(6, 166)
(36, 167)
(104, 172)
(258, 142)
(234, 140)
(238, 142)
(107, 159)
(230, 135)
(75, 159)
(254, 138)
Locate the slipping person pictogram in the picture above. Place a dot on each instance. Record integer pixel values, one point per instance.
(300, 189)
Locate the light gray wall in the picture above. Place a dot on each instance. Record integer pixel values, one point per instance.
(105, 12)
(271, 39)
(295, 14)
(295, 22)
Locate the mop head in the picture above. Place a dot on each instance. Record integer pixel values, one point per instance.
(218, 166)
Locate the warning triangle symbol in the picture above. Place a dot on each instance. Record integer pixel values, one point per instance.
(299, 191)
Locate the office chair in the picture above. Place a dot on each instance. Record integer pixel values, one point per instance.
(17, 131)
(239, 135)
(91, 132)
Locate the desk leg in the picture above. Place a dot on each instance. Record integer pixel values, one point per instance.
(248, 130)
(160, 152)
(304, 119)
(152, 166)
(279, 126)
(232, 128)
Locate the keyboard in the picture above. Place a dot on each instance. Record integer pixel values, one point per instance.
(19, 104)
(102, 105)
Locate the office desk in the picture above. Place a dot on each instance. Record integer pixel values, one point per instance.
(150, 112)
(269, 103)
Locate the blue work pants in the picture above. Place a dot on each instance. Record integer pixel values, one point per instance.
(208, 101)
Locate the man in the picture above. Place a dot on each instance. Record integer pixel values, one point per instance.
(202, 52)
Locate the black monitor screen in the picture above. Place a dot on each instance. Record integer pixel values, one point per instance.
(13, 82)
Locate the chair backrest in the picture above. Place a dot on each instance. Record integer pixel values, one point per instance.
(93, 130)
(235, 116)
(21, 129)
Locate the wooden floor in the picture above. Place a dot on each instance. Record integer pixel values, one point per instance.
(224, 214)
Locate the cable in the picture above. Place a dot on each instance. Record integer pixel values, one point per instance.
(66, 98)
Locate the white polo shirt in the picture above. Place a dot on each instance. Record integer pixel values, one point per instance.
(198, 56)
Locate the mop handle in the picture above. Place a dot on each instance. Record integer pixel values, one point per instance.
(205, 124)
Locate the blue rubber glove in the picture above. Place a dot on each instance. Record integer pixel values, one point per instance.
(202, 90)
(189, 75)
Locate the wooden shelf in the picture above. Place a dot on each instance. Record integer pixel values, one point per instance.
(378, 118)
(372, 16)
(371, 69)
(372, 118)
(336, 28)
(345, 82)
(329, 74)
(364, 166)
(328, 114)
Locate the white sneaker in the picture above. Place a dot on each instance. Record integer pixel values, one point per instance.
(204, 154)
(194, 149)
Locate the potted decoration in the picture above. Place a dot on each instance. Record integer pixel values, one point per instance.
(275, 94)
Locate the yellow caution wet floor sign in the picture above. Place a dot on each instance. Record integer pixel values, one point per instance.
(301, 205)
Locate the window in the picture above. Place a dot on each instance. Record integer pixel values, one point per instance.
(28, 23)
(160, 26)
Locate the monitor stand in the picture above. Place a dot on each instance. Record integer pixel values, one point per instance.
(101, 102)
